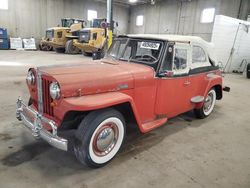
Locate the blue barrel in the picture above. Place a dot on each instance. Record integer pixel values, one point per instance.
(3, 33)
(4, 44)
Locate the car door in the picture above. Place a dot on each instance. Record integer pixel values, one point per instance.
(199, 69)
(173, 90)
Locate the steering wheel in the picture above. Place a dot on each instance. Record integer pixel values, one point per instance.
(149, 56)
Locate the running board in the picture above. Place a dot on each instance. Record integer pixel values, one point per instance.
(153, 124)
(197, 99)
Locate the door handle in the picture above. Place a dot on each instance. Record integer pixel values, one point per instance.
(187, 83)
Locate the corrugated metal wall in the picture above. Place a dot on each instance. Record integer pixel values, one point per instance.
(183, 17)
(26, 18)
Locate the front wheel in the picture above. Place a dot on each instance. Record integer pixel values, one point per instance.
(99, 137)
(208, 105)
(70, 48)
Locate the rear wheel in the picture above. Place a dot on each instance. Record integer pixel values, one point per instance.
(104, 49)
(70, 48)
(60, 50)
(99, 137)
(208, 105)
(100, 53)
(248, 70)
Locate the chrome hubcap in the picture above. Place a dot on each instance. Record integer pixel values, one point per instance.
(105, 139)
(208, 102)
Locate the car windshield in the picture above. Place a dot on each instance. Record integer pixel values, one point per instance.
(67, 22)
(136, 50)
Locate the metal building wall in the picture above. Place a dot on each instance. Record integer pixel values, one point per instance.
(26, 18)
(183, 17)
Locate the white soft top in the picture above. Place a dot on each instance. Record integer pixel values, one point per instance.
(194, 40)
(179, 38)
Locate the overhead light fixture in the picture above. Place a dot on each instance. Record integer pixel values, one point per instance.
(132, 1)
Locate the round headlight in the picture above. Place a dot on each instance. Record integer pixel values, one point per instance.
(30, 78)
(54, 90)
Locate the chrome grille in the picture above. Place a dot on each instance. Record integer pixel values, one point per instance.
(39, 91)
(44, 99)
(47, 100)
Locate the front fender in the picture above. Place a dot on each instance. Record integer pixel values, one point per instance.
(94, 102)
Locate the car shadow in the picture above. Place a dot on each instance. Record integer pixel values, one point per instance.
(27, 153)
(136, 142)
(58, 163)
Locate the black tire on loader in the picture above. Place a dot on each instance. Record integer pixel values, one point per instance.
(104, 49)
(88, 54)
(70, 48)
(100, 53)
(248, 70)
(60, 50)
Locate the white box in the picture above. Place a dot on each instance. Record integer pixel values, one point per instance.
(16, 43)
(29, 44)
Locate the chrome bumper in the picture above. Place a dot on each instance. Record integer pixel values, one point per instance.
(35, 122)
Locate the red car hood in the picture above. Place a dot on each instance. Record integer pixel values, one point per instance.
(93, 77)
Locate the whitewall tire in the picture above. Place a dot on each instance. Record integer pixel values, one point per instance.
(107, 148)
(99, 137)
(208, 105)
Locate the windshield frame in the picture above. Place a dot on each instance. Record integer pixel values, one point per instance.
(111, 47)
(162, 43)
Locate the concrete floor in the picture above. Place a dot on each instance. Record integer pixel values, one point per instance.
(186, 152)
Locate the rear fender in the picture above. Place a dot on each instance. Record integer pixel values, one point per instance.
(214, 80)
(94, 102)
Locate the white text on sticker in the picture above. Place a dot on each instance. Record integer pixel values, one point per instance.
(150, 45)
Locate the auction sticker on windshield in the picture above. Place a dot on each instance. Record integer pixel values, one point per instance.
(150, 45)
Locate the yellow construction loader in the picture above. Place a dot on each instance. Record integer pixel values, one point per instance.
(97, 38)
(61, 38)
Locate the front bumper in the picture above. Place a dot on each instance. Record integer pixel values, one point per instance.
(86, 47)
(36, 122)
(53, 43)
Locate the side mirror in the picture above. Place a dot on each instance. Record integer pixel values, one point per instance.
(220, 64)
(166, 74)
(96, 55)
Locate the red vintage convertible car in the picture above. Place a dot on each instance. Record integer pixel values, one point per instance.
(146, 79)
